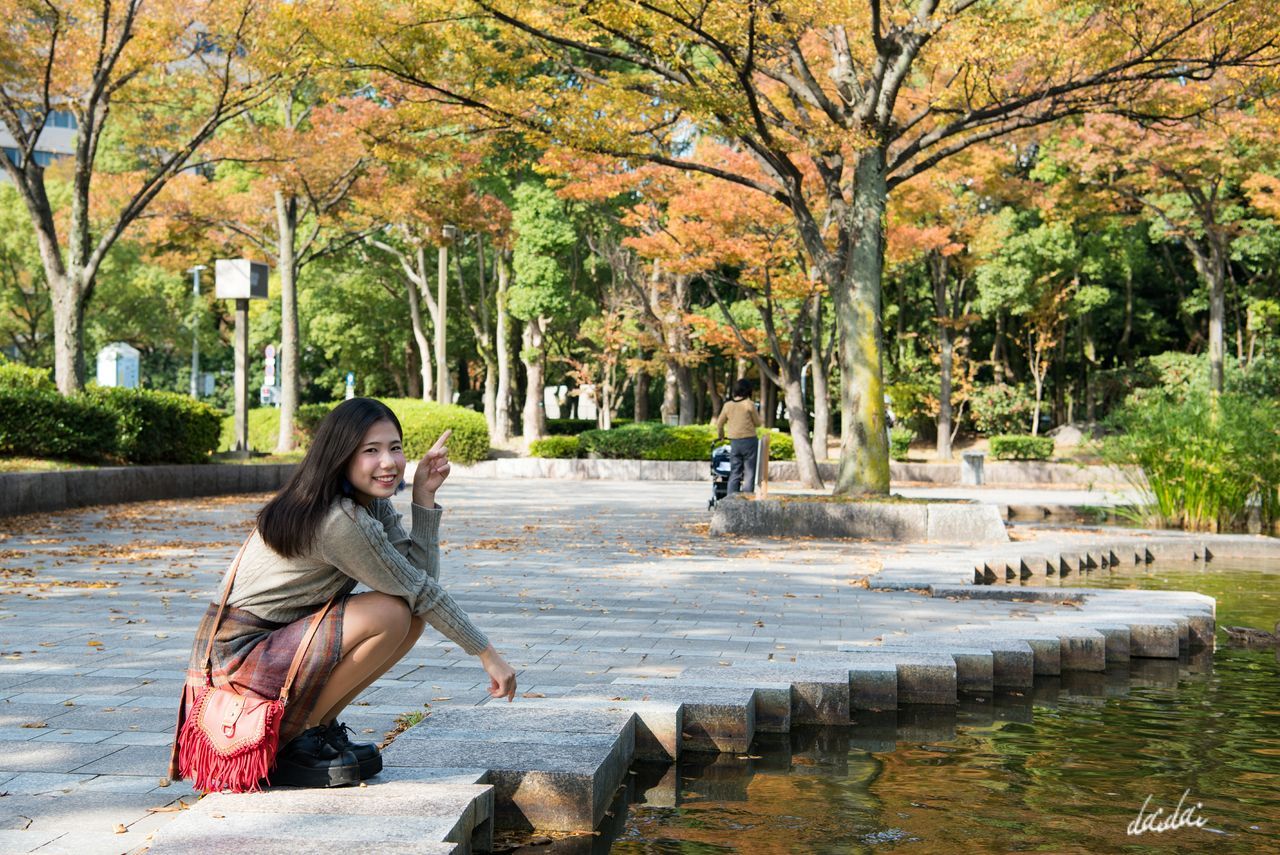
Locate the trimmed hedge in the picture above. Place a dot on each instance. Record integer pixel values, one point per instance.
(559, 447)
(422, 421)
(573, 427)
(160, 427)
(900, 442)
(15, 375)
(41, 423)
(1021, 447)
(656, 441)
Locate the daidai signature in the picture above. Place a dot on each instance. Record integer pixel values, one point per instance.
(1179, 818)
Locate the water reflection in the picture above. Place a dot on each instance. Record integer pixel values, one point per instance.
(1063, 767)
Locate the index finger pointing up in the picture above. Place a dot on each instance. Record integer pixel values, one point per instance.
(444, 437)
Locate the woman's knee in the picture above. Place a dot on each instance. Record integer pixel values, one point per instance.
(374, 614)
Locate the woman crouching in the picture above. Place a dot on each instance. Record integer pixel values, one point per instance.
(330, 528)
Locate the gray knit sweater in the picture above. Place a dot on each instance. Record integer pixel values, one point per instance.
(354, 545)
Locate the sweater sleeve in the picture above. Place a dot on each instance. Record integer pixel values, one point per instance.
(724, 415)
(422, 547)
(359, 545)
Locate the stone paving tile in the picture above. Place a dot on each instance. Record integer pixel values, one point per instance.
(625, 583)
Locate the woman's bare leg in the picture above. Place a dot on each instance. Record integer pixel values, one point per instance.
(411, 638)
(374, 627)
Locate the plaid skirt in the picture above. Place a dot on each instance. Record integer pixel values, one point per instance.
(253, 655)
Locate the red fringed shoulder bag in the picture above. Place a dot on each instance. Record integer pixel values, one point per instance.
(228, 740)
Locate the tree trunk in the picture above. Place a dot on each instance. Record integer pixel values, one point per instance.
(68, 333)
(640, 412)
(420, 338)
(1215, 276)
(688, 401)
(286, 235)
(531, 354)
(1089, 350)
(713, 394)
(1126, 336)
(806, 463)
(502, 393)
(670, 395)
(864, 455)
(768, 401)
(998, 349)
(821, 397)
(938, 269)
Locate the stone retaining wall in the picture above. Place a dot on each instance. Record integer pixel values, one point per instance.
(997, 472)
(34, 492)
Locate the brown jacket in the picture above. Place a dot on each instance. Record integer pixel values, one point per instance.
(738, 419)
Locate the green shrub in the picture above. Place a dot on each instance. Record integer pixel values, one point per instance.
(656, 441)
(42, 423)
(629, 442)
(264, 427)
(1205, 463)
(160, 427)
(573, 427)
(1001, 408)
(555, 446)
(780, 445)
(422, 422)
(900, 442)
(15, 375)
(1015, 447)
(914, 402)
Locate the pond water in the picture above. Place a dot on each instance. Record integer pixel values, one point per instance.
(1063, 768)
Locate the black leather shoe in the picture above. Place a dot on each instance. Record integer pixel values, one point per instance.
(367, 754)
(309, 760)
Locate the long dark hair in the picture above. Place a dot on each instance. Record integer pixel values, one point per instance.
(289, 521)
(742, 389)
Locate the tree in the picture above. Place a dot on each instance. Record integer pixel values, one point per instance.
(291, 200)
(837, 103)
(541, 290)
(1188, 176)
(147, 85)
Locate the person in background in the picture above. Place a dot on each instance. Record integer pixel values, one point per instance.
(738, 420)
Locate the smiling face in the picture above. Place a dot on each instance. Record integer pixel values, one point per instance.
(377, 466)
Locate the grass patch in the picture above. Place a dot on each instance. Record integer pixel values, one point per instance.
(40, 464)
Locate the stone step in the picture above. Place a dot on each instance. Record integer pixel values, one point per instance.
(658, 723)
(772, 698)
(885, 679)
(711, 718)
(1012, 661)
(819, 694)
(552, 768)
(395, 812)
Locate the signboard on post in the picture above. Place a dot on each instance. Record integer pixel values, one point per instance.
(241, 280)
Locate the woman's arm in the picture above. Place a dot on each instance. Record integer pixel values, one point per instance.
(356, 543)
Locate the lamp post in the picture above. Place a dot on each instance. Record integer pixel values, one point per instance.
(195, 330)
(443, 392)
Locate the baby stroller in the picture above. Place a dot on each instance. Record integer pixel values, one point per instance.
(719, 474)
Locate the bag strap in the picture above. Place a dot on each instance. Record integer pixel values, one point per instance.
(298, 655)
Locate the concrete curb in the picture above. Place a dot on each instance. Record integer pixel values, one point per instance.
(38, 492)
(951, 522)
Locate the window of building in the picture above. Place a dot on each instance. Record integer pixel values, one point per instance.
(62, 119)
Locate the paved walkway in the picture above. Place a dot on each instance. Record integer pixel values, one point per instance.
(576, 582)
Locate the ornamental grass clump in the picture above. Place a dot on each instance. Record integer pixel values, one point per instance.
(1206, 464)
